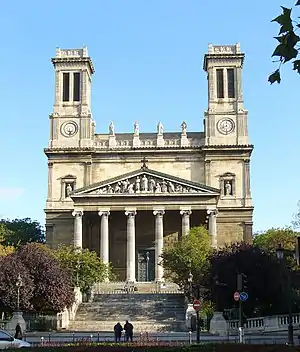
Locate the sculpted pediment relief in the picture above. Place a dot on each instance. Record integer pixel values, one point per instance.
(146, 182)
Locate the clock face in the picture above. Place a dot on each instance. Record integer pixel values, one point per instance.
(226, 126)
(69, 128)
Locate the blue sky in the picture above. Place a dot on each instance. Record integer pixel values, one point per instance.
(148, 57)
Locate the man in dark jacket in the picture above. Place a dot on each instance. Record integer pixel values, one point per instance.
(128, 327)
(118, 332)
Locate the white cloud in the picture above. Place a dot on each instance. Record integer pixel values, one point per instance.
(10, 193)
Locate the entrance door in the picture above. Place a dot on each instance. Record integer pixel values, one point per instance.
(146, 265)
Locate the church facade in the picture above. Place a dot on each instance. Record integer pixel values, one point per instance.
(128, 195)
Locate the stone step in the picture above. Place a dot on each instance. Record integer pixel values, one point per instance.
(124, 316)
(146, 287)
(149, 326)
(148, 312)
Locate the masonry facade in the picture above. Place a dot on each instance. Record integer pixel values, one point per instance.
(128, 195)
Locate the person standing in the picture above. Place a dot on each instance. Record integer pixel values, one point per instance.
(128, 328)
(118, 332)
(18, 334)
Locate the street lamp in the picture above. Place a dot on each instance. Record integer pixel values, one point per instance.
(197, 287)
(280, 256)
(19, 283)
(279, 252)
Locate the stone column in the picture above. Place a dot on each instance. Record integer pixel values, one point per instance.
(248, 231)
(225, 79)
(212, 226)
(207, 172)
(77, 228)
(247, 178)
(130, 245)
(159, 243)
(50, 172)
(88, 173)
(185, 221)
(58, 85)
(104, 245)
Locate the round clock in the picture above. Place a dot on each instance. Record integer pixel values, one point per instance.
(69, 128)
(226, 126)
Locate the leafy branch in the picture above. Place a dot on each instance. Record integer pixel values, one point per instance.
(287, 48)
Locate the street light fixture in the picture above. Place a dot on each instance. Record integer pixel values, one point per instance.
(280, 256)
(19, 283)
(279, 252)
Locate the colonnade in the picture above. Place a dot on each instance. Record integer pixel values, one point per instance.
(131, 247)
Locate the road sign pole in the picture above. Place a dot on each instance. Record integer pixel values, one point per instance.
(198, 326)
(239, 290)
(241, 325)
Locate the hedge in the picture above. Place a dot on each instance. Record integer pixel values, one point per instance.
(209, 347)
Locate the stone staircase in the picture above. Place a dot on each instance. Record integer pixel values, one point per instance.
(141, 287)
(148, 312)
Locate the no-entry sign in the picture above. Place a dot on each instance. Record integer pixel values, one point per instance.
(236, 296)
(196, 304)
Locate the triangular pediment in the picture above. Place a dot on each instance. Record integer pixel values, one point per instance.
(145, 182)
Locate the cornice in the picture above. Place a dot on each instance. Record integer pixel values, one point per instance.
(87, 60)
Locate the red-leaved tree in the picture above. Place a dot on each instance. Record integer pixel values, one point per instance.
(53, 290)
(10, 268)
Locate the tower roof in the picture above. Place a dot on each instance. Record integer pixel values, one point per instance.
(223, 52)
(73, 55)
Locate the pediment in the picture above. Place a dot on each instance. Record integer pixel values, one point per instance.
(145, 182)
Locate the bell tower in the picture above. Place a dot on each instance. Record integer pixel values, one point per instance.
(226, 120)
(71, 123)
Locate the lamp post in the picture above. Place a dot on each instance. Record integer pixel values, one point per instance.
(280, 257)
(191, 288)
(147, 257)
(19, 283)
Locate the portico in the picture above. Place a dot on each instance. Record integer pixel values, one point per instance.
(129, 226)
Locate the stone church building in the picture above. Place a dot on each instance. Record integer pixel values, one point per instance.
(127, 195)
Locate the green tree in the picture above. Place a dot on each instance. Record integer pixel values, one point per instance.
(18, 232)
(85, 267)
(190, 253)
(270, 239)
(288, 48)
(4, 250)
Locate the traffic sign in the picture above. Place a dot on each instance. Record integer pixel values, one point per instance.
(243, 296)
(236, 296)
(196, 304)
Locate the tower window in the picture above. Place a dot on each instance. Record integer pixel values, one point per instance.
(76, 87)
(66, 86)
(220, 83)
(231, 85)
